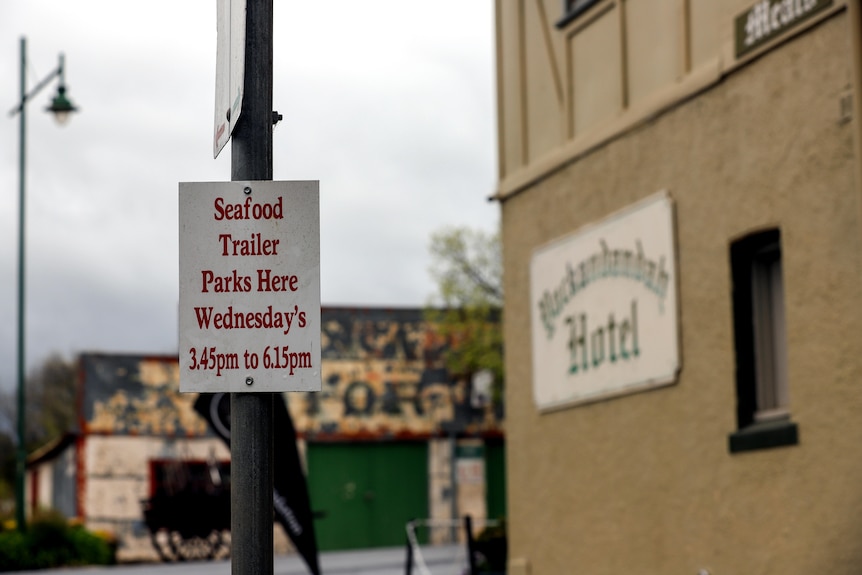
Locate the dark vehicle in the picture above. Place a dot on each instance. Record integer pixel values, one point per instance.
(188, 512)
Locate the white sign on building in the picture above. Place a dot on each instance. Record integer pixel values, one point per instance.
(603, 306)
(249, 286)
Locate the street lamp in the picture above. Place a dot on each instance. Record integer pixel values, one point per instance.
(61, 107)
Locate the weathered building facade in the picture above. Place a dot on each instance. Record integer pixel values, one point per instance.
(379, 441)
(130, 415)
(682, 236)
(383, 434)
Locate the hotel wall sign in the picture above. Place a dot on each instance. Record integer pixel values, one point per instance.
(604, 308)
(769, 19)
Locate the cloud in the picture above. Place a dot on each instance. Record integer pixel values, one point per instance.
(388, 103)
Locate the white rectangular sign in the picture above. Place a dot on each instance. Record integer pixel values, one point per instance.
(249, 286)
(230, 69)
(603, 307)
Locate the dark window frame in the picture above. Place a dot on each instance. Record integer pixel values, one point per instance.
(574, 8)
(752, 434)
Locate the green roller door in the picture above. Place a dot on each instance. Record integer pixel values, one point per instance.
(365, 493)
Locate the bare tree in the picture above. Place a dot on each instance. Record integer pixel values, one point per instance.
(50, 405)
(51, 389)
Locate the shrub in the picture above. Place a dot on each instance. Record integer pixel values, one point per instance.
(50, 542)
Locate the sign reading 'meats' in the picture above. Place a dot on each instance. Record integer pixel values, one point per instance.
(249, 286)
(603, 308)
(770, 19)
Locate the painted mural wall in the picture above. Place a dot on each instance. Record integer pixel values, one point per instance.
(135, 395)
(384, 375)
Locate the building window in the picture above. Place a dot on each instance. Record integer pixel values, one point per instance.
(761, 346)
(572, 9)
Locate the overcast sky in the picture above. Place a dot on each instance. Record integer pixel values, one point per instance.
(390, 104)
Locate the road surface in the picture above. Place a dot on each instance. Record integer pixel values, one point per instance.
(441, 560)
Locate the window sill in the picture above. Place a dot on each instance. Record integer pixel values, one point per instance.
(764, 435)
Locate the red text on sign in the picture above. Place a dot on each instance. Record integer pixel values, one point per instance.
(268, 319)
(224, 284)
(254, 246)
(267, 281)
(248, 210)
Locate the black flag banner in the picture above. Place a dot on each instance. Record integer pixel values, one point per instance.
(290, 490)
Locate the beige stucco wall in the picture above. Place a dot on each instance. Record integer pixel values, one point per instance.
(645, 483)
(564, 90)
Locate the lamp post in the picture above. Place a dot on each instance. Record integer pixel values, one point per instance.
(61, 107)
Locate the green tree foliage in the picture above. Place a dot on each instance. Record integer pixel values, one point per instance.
(467, 306)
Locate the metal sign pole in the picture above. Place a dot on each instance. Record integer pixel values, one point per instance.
(251, 413)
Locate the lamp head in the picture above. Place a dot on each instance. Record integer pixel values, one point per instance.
(61, 106)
